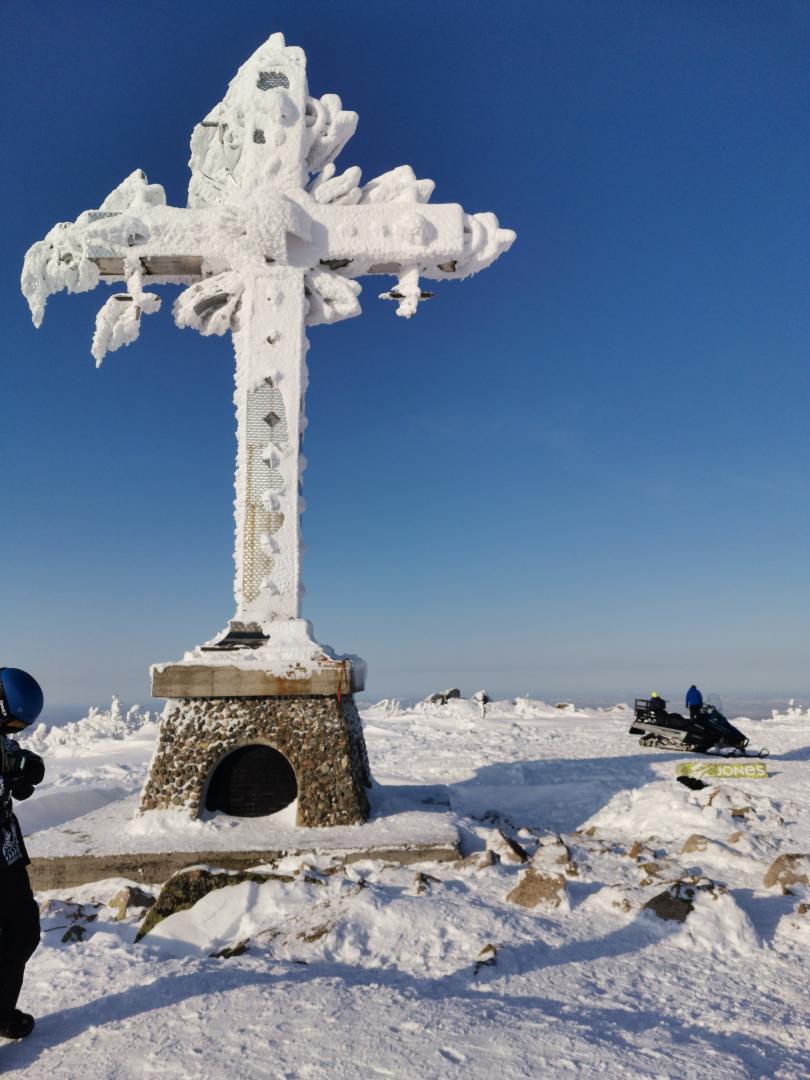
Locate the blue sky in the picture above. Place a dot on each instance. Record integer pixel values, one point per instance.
(582, 473)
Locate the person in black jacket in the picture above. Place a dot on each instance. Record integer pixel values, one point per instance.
(658, 705)
(20, 771)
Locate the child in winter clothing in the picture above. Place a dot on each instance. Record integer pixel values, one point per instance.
(20, 771)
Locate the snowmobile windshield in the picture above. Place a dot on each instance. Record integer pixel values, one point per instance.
(721, 723)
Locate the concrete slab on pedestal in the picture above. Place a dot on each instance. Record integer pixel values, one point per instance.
(201, 680)
(114, 842)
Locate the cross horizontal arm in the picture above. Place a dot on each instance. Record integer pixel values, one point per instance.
(172, 241)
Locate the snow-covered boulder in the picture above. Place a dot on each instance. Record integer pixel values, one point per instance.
(674, 903)
(553, 855)
(441, 697)
(186, 888)
(713, 921)
(787, 870)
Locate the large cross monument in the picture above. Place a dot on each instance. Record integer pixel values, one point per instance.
(272, 240)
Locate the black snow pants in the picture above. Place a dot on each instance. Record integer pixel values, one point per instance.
(19, 932)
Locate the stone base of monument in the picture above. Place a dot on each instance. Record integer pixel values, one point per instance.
(260, 754)
(256, 721)
(253, 756)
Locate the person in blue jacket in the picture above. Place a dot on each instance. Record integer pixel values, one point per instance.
(694, 701)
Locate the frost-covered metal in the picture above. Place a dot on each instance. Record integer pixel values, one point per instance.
(272, 240)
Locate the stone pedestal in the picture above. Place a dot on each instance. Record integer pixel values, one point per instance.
(320, 736)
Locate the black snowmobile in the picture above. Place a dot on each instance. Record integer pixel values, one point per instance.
(709, 733)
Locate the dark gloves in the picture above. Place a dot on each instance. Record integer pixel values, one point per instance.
(25, 770)
(30, 770)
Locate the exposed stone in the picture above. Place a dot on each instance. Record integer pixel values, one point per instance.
(741, 811)
(185, 889)
(129, 897)
(68, 911)
(424, 881)
(552, 853)
(672, 905)
(486, 958)
(479, 860)
(74, 933)
(316, 934)
(734, 838)
(654, 871)
(231, 950)
(535, 888)
(695, 842)
(676, 902)
(787, 870)
(507, 849)
(320, 736)
(443, 696)
(636, 850)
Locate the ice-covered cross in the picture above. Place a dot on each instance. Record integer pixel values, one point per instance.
(272, 240)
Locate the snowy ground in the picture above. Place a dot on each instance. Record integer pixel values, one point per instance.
(369, 972)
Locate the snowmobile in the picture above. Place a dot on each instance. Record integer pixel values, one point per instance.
(708, 733)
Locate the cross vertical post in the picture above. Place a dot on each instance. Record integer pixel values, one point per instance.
(271, 378)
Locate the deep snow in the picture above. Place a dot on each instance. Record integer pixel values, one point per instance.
(369, 972)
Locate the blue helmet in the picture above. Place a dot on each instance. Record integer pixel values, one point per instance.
(21, 699)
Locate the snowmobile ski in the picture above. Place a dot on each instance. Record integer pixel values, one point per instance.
(660, 742)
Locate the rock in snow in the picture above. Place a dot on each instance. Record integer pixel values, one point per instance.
(787, 870)
(183, 890)
(130, 897)
(507, 849)
(535, 888)
(674, 903)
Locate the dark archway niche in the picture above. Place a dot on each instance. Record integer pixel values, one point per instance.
(252, 781)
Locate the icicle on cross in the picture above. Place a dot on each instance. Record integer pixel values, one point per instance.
(272, 240)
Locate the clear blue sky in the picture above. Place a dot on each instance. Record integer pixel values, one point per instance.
(583, 472)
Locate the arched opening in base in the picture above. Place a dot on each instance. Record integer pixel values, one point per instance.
(252, 781)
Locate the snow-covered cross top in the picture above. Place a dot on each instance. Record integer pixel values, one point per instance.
(272, 240)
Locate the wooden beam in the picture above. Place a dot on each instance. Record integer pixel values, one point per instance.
(153, 266)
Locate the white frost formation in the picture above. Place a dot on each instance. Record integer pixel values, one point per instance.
(272, 239)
